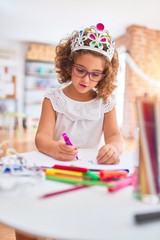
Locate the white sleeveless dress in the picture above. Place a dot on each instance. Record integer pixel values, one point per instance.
(82, 121)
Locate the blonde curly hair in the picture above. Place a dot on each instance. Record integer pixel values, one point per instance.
(65, 59)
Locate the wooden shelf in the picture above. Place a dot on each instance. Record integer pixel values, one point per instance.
(8, 98)
(40, 75)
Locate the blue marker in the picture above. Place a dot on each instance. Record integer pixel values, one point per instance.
(9, 169)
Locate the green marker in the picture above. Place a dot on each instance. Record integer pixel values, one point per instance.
(84, 182)
(93, 176)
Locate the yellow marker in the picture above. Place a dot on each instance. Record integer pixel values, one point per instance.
(67, 176)
(51, 172)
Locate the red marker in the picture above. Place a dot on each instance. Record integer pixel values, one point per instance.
(111, 174)
(70, 168)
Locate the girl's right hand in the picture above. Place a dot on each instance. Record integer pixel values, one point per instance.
(64, 152)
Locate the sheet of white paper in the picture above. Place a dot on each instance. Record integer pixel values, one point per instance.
(87, 158)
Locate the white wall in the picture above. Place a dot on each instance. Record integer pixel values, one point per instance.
(50, 20)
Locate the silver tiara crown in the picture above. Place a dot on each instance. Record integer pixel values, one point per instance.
(99, 40)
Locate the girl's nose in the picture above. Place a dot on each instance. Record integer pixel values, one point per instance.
(86, 77)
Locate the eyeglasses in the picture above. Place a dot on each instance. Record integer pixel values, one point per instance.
(81, 73)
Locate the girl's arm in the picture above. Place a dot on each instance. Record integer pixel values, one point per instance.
(114, 142)
(45, 134)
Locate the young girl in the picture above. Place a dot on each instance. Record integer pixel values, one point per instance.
(84, 108)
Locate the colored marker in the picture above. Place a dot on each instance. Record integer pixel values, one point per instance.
(84, 182)
(67, 141)
(100, 169)
(51, 172)
(91, 175)
(111, 174)
(71, 168)
(147, 217)
(119, 184)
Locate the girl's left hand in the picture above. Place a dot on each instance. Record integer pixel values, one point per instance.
(108, 154)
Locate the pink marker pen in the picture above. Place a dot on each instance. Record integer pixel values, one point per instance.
(67, 141)
(124, 182)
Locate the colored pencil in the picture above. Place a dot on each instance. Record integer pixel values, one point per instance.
(52, 194)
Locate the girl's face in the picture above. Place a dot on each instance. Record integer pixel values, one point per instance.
(87, 71)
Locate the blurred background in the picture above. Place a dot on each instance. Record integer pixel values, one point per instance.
(29, 32)
(31, 29)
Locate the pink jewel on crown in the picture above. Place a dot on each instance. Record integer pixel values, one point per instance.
(100, 40)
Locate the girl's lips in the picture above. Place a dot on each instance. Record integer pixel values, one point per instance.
(83, 85)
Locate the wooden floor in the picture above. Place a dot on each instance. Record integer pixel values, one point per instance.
(23, 141)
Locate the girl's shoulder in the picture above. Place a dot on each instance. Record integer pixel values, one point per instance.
(53, 93)
(91, 110)
(109, 104)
